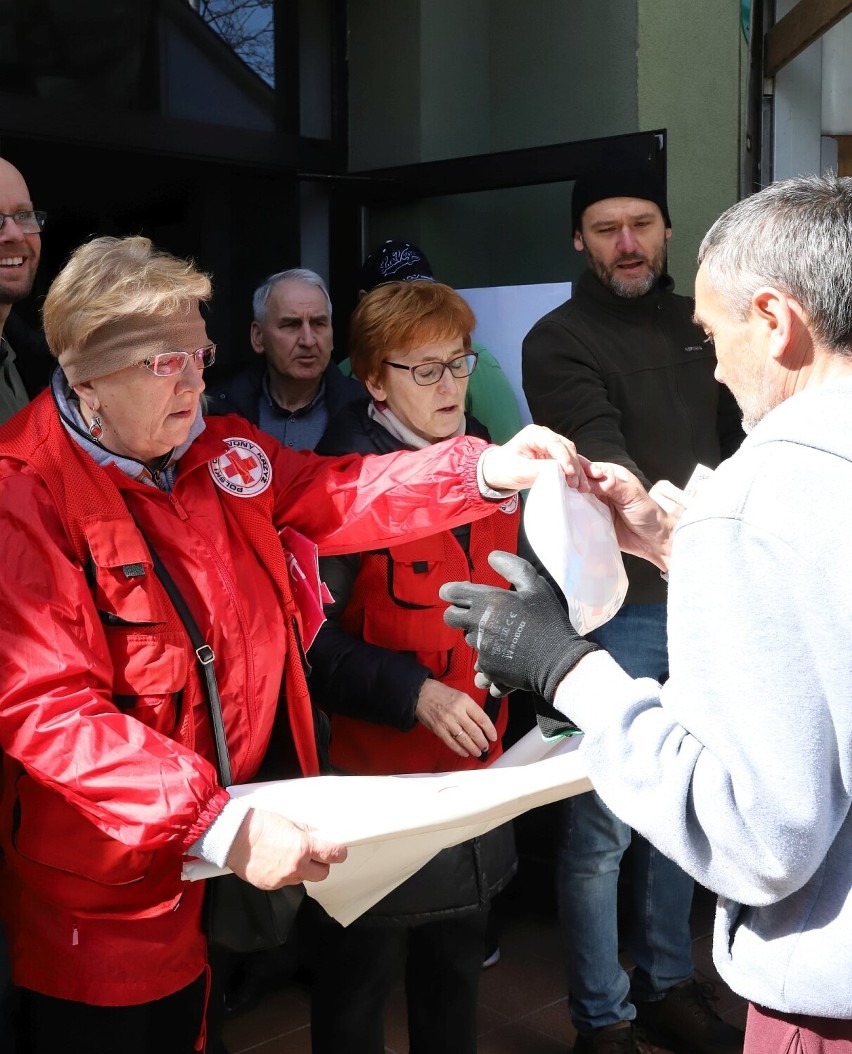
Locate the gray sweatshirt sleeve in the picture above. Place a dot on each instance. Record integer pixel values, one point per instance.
(732, 768)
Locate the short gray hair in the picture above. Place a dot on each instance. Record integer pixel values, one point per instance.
(295, 274)
(794, 235)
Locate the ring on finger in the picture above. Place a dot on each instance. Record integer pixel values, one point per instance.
(459, 733)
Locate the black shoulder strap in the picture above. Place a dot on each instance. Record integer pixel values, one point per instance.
(204, 655)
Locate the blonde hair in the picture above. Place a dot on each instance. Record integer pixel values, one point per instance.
(401, 316)
(109, 280)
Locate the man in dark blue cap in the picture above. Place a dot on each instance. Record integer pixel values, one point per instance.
(623, 371)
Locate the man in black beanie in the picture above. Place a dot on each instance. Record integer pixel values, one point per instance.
(623, 371)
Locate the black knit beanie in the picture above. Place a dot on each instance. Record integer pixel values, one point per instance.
(612, 183)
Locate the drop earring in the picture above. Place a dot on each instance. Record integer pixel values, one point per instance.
(96, 429)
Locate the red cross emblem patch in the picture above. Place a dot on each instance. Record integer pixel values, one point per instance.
(243, 470)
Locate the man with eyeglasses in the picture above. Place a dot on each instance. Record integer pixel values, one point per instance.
(20, 249)
(296, 389)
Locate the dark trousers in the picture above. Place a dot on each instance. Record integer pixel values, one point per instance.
(356, 968)
(8, 1001)
(165, 1026)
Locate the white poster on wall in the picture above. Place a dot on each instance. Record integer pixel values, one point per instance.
(504, 316)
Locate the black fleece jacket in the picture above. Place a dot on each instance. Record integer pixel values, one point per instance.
(631, 381)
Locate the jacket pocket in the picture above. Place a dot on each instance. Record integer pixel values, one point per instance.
(410, 616)
(150, 671)
(70, 862)
(122, 574)
(408, 630)
(422, 634)
(416, 571)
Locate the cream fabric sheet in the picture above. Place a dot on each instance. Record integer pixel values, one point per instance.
(393, 825)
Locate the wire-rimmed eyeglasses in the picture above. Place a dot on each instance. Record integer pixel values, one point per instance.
(27, 221)
(425, 373)
(170, 363)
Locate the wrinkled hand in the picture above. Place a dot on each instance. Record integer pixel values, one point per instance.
(455, 719)
(271, 851)
(516, 464)
(524, 638)
(642, 526)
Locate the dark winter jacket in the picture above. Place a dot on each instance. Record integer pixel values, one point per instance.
(242, 392)
(362, 680)
(33, 360)
(630, 380)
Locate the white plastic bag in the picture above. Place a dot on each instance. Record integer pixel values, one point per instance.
(573, 536)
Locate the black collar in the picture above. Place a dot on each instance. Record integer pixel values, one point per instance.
(590, 287)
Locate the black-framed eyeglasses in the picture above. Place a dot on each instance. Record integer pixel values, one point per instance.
(425, 373)
(170, 363)
(28, 221)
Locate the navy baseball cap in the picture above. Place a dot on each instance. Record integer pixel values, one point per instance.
(395, 261)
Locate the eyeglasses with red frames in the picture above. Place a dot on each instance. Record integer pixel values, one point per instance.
(171, 363)
(425, 373)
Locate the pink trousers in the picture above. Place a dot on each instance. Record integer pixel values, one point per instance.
(769, 1032)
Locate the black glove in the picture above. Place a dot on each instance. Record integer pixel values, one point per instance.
(525, 638)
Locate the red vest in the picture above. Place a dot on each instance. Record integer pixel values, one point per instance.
(395, 604)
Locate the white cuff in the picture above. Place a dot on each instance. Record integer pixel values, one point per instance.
(489, 493)
(214, 845)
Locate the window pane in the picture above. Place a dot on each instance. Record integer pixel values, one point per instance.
(247, 27)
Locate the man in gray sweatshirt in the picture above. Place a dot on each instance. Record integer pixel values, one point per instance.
(739, 768)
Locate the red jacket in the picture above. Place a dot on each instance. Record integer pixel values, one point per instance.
(108, 773)
(395, 604)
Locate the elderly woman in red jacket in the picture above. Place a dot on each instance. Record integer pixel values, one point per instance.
(399, 686)
(108, 757)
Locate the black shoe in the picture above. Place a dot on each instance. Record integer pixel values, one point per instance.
(686, 1021)
(245, 994)
(253, 976)
(623, 1038)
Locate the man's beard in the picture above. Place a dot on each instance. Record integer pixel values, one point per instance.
(627, 287)
(756, 391)
(759, 403)
(11, 295)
